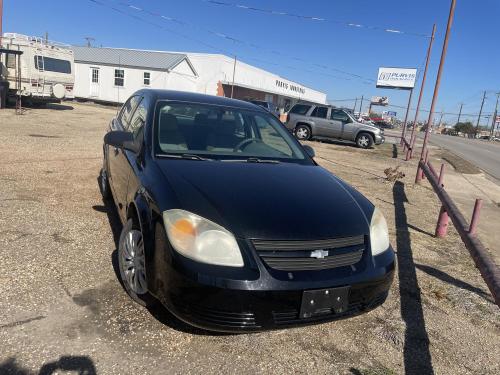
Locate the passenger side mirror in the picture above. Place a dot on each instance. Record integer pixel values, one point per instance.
(309, 150)
(121, 139)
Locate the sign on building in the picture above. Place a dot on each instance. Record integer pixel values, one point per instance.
(396, 78)
(389, 113)
(380, 100)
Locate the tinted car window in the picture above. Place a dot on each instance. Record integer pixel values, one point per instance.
(339, 115)
(321, 112)
(300, 109)
(127, 111)
(139, 118)
(222, 133)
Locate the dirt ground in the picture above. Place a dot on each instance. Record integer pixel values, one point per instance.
(63, 308)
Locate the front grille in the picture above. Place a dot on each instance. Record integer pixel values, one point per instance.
(310, 255)
(218, 317)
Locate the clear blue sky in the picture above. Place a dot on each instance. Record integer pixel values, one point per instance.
(472, 65)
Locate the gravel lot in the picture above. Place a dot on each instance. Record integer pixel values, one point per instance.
(63, 307)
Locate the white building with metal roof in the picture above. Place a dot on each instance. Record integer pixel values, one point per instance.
(114, 74)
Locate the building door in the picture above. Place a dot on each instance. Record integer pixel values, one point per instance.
(94, 82)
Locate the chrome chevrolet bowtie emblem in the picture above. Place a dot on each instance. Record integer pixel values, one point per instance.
(319, 254)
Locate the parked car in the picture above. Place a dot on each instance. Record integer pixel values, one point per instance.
(267, 105)
(314, 121)
(383, 125)
(229, 222)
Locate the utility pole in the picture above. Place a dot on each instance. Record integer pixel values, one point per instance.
(480, 111)
(89, 40)
(403, 132)
(495, 115)
(234, 72)
(460, 112)
(422, 86)
(418, 177)
(1, 18)
(355, 104)
(361, 105)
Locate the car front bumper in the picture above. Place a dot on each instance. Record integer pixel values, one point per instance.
(227, 305)
(379, 139)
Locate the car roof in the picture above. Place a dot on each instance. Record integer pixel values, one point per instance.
(191, 97)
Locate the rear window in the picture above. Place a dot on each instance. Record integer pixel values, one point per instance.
(300, 109)
(49, 64)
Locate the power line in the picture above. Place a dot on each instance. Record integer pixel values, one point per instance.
(241, 41)
(314, 18)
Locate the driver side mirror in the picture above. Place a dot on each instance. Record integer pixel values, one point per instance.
(121, 139)
(309, 150)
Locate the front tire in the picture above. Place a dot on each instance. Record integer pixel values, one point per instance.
(104, 184)
(364, 140)
(303, 132)
(132, 264)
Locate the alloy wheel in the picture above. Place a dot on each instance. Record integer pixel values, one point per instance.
(364, 141)
(302, 133)
(133, 262)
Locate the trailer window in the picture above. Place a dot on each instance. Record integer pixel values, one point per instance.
(11, 61)
(50, 64)
(119, 77)
(147, 78)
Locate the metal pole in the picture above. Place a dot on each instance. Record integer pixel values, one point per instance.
(436, 87)
(475, 217)
(480, 111)
(460, 112)
(355, 104)
(403, 133)
(495, 115)
(361, 105)
(422, 86)
(1, 18)
(234, 72)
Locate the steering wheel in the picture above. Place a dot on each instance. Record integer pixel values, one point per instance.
(245, 142)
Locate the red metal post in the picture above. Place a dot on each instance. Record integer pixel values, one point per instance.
(442, 224)
(441, 176)
(475, 217)
(422, 86)
(420, 172)
(403, 133)
(438, 82)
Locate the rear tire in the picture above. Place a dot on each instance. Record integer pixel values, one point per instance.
(104, 185)
(364, 140)
(303, 132)
(132, 264)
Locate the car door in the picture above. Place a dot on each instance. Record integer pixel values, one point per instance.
(118, 171)
(338, 119)
(320, 117)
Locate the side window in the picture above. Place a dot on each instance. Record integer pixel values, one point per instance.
(147, 78)
(119, 77)
(339, 115)
(300, 109)
(127, 111)
(271, 138)
(139, 119)
(320, 112)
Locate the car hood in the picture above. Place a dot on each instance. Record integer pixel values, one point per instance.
(267, 201)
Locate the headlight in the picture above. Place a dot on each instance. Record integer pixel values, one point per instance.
(199, 239)
(379, 234)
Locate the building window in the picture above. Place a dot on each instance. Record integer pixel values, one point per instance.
(119, 77)
(95, 75)
(147, 78)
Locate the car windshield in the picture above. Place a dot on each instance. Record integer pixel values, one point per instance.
(224, 133)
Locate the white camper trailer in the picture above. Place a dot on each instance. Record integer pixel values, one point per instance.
(44, 72)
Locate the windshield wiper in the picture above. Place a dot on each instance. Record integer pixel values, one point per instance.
(253, 160)
(184, 156)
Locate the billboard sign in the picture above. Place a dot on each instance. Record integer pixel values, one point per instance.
(396, 78)
(389, 113)
(380, 100)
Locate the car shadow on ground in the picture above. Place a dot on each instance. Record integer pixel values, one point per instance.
(75, 364)
(417, 357)
(158, 311)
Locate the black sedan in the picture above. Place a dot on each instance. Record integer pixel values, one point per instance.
(229, 222)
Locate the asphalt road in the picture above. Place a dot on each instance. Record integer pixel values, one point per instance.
(483, 154)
